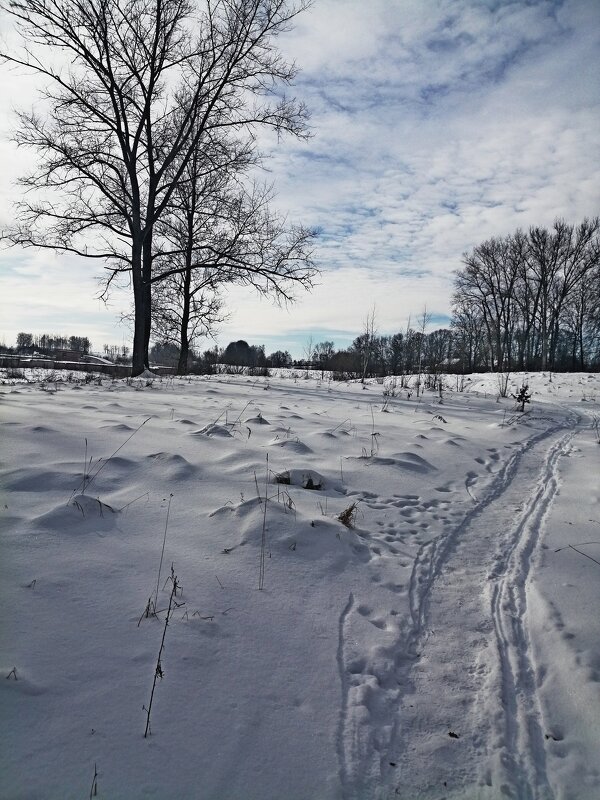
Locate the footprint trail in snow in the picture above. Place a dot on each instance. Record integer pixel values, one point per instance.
(464, 642)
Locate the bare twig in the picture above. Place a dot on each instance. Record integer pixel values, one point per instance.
(333, 430)
(85, 467)
(581, 553)
(258, 490)
(263, 540)
(158, 670)
(149, 611)
(94, 787)
(146, 494)
(163, 551)
(87, 480)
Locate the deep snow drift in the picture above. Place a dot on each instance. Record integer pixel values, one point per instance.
(443, 643)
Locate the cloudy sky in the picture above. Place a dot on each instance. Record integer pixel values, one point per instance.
(436, 124)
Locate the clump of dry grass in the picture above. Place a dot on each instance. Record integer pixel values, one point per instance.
(348, 516)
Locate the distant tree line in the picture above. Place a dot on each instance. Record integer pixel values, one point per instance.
(371, 355)
(525, 301)
(236, 355)
(119, 355)
(49, 342)
(530, 300)
(398, 354)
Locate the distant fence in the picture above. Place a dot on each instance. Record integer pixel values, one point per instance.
(114, 370)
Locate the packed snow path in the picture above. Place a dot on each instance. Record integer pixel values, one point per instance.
(468, 644)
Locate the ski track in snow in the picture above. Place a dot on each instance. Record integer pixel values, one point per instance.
(343, 756)
(468, 583)
(523, 760)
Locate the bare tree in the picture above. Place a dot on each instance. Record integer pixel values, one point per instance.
(323, 353)
(574, 251)
(424, 319)
(309, 350)
(218, 231)
(581, 318)
(186, 302)
(488, 279)
(468, 330)
(394, 348)
(143, 86)
(183, 313)
(366, 342)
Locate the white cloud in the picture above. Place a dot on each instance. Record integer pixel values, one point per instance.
(46, 293)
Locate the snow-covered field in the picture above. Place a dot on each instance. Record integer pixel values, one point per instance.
(443, 644)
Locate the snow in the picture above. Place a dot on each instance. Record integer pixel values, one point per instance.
(445, 645)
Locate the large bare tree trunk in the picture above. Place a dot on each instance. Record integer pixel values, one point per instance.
(184, 342)
(147, 296)
(139, 327)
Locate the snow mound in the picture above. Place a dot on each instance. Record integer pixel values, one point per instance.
(38, 480)
(408, 461)
(173, 466)
(291, 445)
(290, 535)
(118, 427)
(82, 514)
(214, 430)
(257, 420)
(306, 478)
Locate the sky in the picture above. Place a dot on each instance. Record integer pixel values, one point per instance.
(436, 124)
